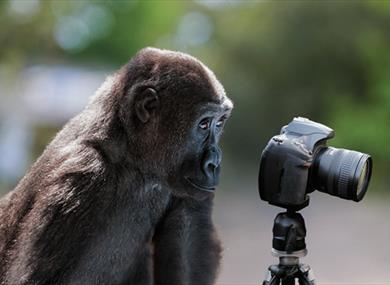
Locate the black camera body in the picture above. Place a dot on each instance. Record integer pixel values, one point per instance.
(297, 161)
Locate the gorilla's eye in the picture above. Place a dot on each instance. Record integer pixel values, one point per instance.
(221, 121)
(204, 124)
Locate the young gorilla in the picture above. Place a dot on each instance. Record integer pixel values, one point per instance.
(126, 187)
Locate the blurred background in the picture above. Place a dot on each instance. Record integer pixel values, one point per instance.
(326, 60)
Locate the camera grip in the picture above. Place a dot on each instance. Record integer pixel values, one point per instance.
(293, 182)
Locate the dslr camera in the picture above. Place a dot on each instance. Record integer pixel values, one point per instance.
(298, 161)
(293, 164)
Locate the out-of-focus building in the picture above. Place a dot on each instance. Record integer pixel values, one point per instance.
(45, 97)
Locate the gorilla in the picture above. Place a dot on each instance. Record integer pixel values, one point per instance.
(124, 192)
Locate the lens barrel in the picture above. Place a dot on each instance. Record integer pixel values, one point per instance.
(341, 172)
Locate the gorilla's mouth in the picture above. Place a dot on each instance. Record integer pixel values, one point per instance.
(200, 187)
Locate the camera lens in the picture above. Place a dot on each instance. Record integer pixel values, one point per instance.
(341, 172)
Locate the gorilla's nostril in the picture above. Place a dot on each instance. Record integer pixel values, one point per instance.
(211, 167)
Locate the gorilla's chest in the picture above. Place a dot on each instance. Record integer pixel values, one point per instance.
(123, 240)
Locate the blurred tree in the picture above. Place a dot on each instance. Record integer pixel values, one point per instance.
(90, 31)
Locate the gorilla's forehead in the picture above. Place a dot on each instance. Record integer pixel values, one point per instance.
(217, 87)
(223, 107)
(227, 104)
(219, 102)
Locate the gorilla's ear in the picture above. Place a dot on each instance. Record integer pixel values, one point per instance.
(145, 103)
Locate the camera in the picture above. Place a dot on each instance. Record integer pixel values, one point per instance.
(298, 161)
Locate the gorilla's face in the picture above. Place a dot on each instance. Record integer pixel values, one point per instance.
(180, 109)
(200, 166)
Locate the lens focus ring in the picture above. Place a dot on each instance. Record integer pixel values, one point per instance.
(345, 175)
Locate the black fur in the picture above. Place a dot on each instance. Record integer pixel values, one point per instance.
(108, 201)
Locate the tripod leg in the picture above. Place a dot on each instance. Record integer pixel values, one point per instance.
(303, 280)
(272, 278)
(306, 275)
(273, 281)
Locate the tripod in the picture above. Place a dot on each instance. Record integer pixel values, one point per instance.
(288, 244)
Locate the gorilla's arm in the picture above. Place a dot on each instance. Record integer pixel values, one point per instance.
(186, 249)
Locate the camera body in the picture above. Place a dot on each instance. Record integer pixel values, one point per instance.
(286, 160)
(298, 161)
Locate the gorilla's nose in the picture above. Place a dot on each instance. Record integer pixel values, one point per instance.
(212, 161)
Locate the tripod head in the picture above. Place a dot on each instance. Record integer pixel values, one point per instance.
(289, 234)
(288, 244)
